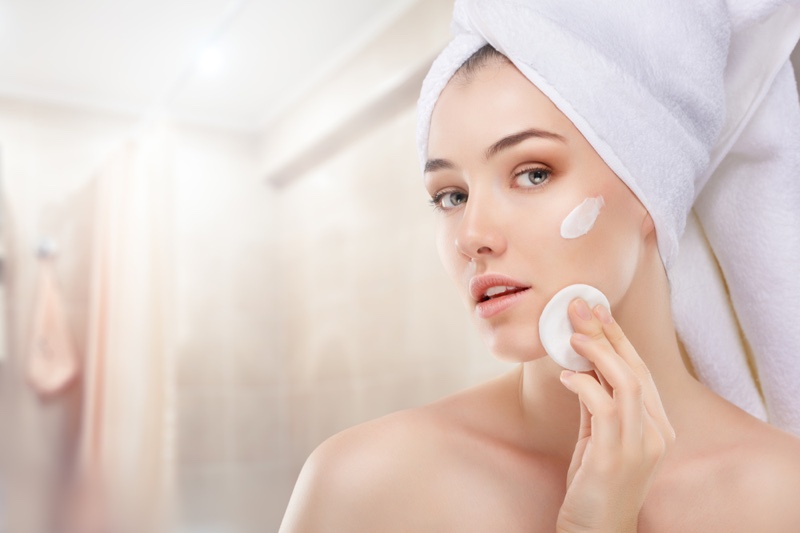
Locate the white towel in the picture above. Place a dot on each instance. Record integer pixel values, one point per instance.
(694, 106)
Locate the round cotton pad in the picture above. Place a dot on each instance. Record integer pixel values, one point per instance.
(555, 327)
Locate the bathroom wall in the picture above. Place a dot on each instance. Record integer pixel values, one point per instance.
(370, 322)
(373, 323)
(303, 311)
(300, 310)
(228, 351)
(336, 309)
(48, 154)
(224, 351)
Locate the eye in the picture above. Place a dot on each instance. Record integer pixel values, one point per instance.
(532, 176)
(446, 200)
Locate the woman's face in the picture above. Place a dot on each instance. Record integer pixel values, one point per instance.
(503, 195)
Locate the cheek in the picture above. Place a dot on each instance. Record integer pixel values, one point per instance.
(582, 218)
(536, 235)
(603, 244)
(585, 231)
(446, 248)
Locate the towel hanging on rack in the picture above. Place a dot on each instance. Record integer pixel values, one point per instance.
(53, 361)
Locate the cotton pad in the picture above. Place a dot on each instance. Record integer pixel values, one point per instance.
(555, 327)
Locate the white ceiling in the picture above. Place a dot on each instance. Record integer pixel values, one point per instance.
(133, 55)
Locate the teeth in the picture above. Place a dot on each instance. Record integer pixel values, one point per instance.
(497, 290)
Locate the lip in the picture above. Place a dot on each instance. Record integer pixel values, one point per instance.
(498, 304)
(479, 284)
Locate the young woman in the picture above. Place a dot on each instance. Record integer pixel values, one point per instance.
(637, 444)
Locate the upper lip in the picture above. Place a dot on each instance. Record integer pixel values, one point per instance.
(478, 285)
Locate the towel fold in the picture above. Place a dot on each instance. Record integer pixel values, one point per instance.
(750, 211)
(694, 106)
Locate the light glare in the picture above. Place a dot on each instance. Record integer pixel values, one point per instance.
(209, 61)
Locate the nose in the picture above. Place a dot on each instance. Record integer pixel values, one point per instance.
(480, 232)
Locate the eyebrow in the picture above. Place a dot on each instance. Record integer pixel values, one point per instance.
(437, 164)
(516, 138)
(503, 144)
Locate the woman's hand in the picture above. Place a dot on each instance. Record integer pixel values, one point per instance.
(624, 432)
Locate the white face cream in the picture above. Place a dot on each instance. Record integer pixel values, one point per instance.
(581, 219)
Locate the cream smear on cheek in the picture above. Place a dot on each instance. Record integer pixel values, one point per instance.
(581, 219)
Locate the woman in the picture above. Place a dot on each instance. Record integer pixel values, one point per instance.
(644, 446)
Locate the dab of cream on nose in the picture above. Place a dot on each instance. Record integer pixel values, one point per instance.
(581, 219)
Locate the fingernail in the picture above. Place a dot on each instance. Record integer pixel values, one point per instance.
(603, 314)
(583, 310)
(565, 374)
(580, 337)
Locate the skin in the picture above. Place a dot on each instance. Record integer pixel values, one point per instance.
(507, 455)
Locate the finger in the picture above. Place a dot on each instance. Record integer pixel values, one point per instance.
(631, 413)
(604, 424)
(627, 389)
(616, 338)
(599, 351)
(604, 382)
(622, 345)
(612, 369)
(585, 428)
(584, 436)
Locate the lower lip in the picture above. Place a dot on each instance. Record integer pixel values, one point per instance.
(499, 304)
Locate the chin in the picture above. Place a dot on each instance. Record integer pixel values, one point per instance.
(517, 357)
(513, 350)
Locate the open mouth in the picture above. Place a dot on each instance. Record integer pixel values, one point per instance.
(497, 292)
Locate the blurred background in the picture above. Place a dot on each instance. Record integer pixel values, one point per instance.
(216, 252)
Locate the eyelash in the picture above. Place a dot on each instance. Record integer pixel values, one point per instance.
(436, 200)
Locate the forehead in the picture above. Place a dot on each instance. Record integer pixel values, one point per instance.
(495, 101)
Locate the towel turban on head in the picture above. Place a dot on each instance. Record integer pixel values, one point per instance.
(694, 106)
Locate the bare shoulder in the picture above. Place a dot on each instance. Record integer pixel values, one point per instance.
(412, 470)
(771, 480)
(367, 476)
(756, 479)
(745, 480)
